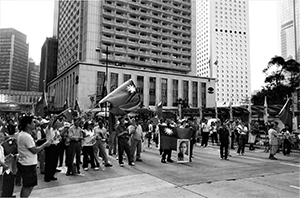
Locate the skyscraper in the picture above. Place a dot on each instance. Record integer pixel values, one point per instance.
(33, 76)
(13, 60)
(48, 63)
(289, 26)
(152, 42)
(223, 47)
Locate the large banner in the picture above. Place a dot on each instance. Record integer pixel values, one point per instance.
(169, 136)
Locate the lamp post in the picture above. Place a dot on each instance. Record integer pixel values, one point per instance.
(98, 49)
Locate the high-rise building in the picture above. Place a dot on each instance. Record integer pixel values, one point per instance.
(48, 63)
(152, 42)
(13, 59)
(223, 47)
(289, 26)
(33, 76)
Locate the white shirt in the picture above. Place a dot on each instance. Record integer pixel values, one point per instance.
(26, 157)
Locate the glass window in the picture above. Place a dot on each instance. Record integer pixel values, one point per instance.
(164, 91)
(152, 88)
(195, 94)
(175, 92)
(113, 81)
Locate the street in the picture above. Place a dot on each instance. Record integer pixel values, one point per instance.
(251, 175)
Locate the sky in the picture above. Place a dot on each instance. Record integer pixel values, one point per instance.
(35, 19)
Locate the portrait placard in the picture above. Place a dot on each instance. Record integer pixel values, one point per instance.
(183, 150)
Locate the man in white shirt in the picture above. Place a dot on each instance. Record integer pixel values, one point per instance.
(27, 160)
(136, 131)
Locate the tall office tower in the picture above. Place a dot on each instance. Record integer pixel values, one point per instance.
(48, 63)
(152, 42)
(289, 26)
(223, 47)
(33, 76)
(13, 59)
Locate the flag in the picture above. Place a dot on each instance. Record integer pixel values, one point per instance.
(158, 110)
(285, 115)
(265, 111)
(76, 106)
(230, 111)
(41, 106)
(124, 97)
(68, 114)
(66, 104)
(169, 136)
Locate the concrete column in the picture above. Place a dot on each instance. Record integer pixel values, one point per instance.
(180, 88)
(146, 91)
(170, 92)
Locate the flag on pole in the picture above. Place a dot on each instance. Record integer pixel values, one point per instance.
(285, 115)
(41, 106)
(77, 107)
(158, 110)
(125, 97)
(266, 111)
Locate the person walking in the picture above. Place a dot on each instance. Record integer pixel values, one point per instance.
(99, 147)
(27, 160)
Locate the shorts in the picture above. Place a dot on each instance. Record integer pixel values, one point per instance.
(28, 174)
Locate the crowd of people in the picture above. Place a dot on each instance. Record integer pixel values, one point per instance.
(47, 144)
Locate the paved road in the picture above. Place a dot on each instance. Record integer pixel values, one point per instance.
(252, 175)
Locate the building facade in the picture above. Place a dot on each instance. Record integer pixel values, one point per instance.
(223, 50)
(289, 26)
(152, 42)
(33, 76)
(48, 63)
(13, 59)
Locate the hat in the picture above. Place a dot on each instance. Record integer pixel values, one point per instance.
(44, 121)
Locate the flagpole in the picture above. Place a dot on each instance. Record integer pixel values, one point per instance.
(106, 76)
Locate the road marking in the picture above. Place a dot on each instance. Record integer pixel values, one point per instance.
(296, 165)
(295, 187)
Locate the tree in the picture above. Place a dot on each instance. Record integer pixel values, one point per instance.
(282, 79)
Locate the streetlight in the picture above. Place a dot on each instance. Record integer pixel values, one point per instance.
(98, 49)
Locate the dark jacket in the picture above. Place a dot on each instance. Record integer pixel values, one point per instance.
(223, 135)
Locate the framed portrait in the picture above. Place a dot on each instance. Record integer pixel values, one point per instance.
(183, 150)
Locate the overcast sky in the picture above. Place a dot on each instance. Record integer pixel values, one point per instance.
(35, 19)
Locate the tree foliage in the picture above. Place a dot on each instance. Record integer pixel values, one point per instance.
(282, 79)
